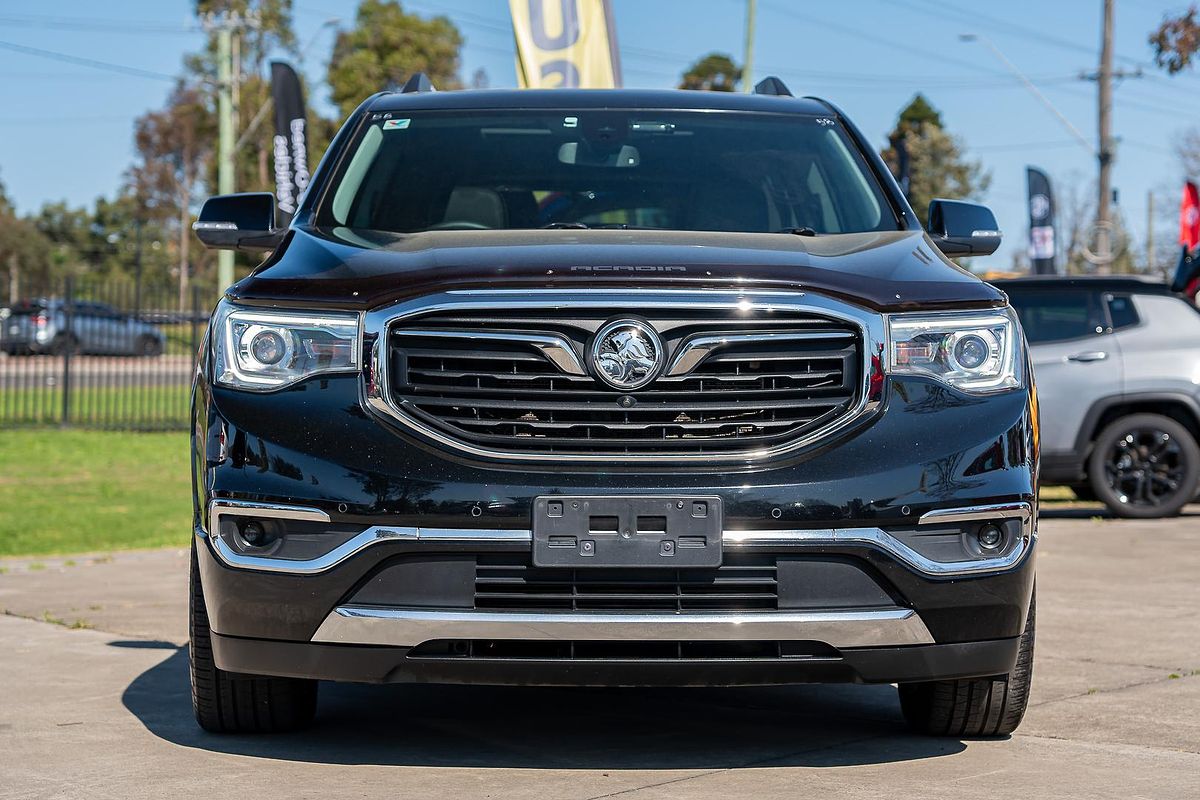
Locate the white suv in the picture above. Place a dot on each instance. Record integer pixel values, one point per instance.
(1117, 365)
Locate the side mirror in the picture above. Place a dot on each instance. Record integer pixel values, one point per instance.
(239, 222)
(963, 229)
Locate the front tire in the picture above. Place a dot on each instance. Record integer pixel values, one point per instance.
(973, 707)
(1144, 466)
(224, 702)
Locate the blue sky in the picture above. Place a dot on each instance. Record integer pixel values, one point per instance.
(66, 129)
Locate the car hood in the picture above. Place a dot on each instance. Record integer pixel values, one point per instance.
(364, 269)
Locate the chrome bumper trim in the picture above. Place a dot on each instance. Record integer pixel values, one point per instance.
(1022, 511)
(371, 536)
(397, 627)
(879, 540)
(875, 538)
(882, 540)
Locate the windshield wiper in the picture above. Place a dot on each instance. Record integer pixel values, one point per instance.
(798, 231)
(601, 226)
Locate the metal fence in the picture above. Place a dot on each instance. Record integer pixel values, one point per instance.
(101, 355)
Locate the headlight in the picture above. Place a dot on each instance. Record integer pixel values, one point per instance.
(265, 350)
(975, 351)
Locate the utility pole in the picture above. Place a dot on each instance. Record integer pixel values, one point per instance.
(1106, 151)
(1104, 79)
(226, 114)
(1150, 232)
(748, 56)
(228, 28)
(137, 264)
(14, 279)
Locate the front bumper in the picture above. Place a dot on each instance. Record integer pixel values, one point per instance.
(373, 636)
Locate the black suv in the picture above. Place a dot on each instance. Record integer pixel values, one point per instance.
(611, 388)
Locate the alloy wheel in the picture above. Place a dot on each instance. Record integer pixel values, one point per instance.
(1146, 467)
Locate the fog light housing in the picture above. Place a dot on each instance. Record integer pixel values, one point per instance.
(255, 534)
(990, 537)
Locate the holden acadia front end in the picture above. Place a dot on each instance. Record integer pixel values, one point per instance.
(610, 389)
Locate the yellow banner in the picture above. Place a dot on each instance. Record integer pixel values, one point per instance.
(565, 44)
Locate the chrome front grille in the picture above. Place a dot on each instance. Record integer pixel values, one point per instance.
(512, 378)
(513, 382)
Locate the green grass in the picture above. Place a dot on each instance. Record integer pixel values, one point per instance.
(70, 491)
(146, 407)
(1057, 493)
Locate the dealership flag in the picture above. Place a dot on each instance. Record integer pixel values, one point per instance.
(565, 44)
(1186, 272)
(290, 145)
(1041, 222)
(1189, 217)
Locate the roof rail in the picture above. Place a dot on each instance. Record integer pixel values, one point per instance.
(419, 82)
(772, 85)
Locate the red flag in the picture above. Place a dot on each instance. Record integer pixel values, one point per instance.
(1189, 217)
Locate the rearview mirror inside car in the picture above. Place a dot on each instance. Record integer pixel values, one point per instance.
(239, 222)
(963, 229)
(585, 155)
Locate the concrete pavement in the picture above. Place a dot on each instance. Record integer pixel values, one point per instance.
(104, 712)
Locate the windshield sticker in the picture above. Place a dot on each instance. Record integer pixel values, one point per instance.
(396, 124)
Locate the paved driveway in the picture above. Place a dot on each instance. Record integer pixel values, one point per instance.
(104, 712)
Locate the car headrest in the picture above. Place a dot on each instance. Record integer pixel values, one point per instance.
(475, 204)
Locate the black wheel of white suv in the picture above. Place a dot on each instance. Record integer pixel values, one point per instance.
(973, 707)
(1144, 466)
(224, 702)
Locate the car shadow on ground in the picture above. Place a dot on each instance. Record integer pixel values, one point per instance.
(542, 728)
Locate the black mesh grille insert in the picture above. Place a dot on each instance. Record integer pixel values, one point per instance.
(488, 380)
(624, 651)
(745, 582)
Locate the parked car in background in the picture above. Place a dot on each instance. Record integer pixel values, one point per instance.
(45, 326)
(1117, 365)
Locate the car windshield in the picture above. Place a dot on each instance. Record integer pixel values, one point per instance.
(690, 171)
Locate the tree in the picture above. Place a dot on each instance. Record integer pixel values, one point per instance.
(918, 112)
(24, 252)
(385, 47)
(1176, 41)
(1187, 147)
(173, 146)
(936, 164)
(715, 72)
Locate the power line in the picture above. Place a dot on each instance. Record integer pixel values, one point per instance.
(93, 24)
(974, 17)
(1157, 148)
(861, 35)
(57, 121)
(995, 148)
(136, 72)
